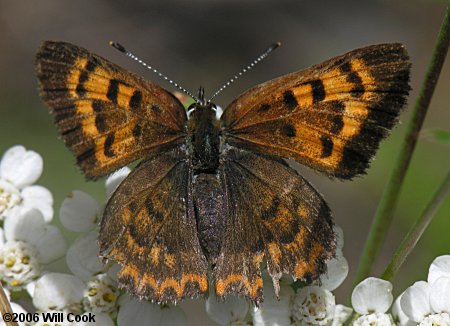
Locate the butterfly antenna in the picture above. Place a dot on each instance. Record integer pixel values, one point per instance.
(247, 68)
(122, 49)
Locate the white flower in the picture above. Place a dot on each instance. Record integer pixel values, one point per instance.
(28, 225)
(143, 313)
(101, 295)
(428, 303)
(440, 295)
(372, 298)
(314, 306)
(82, 256)
(56, 291)
(79, 212)
(231, 311)
(398, 314)
(19, 169)
(439, 267)
(372, 295)
(274, 311)
(18, 264)
(415, 302)
(29, 242)
(378, 319)
(341, 314)
(442, 319)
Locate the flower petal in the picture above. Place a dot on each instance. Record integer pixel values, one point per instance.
(415, 301)
(51, 246)
(57, 291)
(82, 256)
(372, 295)
(341, 314)
(21, 167)
(440, 295)
(225, 312)
(399, 316)
(79, 212)
(273, 311)
(337, 271)
(114, 180)
(172, 316)
(24, 224)
(438, 268)
(139, 313)
(40, 198)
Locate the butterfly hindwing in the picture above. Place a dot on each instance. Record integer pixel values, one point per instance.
(331, 116)
(107, 116)
(273, 214)
(149, 228)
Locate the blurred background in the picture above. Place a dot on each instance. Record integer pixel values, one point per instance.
(204, 43)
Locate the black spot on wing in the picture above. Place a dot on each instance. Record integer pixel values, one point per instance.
(290, 100)
(353, 78)
(327, 146)
(271, 212)
(97, 105)
(318, 90)
(113, 90)
(86, 155)
(100, 123)
(107, 150)
(137, 130)
(337, 122)
(135, 100)
(288, 130)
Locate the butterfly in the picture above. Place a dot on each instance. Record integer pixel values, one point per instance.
(213, 201)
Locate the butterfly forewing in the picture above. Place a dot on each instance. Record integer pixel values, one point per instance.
(330, 117)
(107, 116)
(149, 227)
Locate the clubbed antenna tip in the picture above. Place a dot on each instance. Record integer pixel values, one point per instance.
(118, 46)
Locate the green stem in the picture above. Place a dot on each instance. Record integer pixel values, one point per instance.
(384, 213)
(416, 231)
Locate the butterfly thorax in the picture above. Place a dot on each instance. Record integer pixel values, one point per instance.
(204, 138)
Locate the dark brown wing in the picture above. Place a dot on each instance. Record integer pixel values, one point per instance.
(330, 117)
(274, 214)
(149, 227)
(107, 116)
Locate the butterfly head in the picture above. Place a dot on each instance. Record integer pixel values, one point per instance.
(200, 104)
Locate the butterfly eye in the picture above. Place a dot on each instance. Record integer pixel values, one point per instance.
(191, 109)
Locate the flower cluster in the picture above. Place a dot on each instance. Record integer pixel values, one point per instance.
(29, 243)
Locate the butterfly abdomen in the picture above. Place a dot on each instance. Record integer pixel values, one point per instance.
(210, 211)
